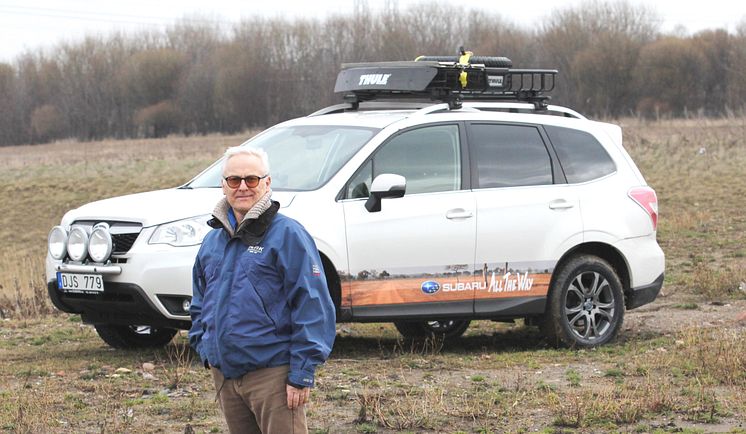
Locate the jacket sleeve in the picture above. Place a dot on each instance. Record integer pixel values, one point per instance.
(311, 308)
(195, 309)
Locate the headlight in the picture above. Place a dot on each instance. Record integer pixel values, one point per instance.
(100, 245)
(187, 232)
(77, 244)
(57, 242)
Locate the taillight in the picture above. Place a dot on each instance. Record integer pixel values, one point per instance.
(646, 198)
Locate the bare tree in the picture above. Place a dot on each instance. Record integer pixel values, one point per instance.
(736, 88)
(10, 125)
(199, 41)
(596, 47)
(672, 68)
(198, 76)
(717, 51)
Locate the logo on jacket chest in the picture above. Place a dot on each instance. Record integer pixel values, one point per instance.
(255, 249)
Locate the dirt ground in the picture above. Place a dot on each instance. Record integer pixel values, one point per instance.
(58, 376)
(668, 317)
(671, 313)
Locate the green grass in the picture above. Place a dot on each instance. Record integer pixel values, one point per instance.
(573, 377)
(686, 306)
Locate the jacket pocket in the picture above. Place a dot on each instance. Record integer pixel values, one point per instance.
(254, 271)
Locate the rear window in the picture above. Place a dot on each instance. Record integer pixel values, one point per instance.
(582, 157)
(509, 156)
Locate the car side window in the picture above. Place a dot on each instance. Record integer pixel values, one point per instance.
(429, 158)
(509, 156)
(582, 157)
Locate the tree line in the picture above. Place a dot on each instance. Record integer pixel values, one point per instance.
(197, 77)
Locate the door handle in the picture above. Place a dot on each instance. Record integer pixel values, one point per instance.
(458, 213)
(560, 204)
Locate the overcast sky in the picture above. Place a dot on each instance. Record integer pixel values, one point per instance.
(33, 24)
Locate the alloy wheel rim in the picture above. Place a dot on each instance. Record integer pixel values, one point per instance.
(590, 306)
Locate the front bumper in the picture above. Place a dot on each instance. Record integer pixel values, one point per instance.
(161, 274)
(119, 304)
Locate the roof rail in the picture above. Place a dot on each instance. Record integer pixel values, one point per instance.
(337, 108)
(521, 107)
(447, 79)
(374, 105)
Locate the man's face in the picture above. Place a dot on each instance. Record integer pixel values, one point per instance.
(241, 199)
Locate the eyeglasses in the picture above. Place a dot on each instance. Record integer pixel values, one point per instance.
(251, 180)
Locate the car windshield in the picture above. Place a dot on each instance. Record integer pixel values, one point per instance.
(300, 157)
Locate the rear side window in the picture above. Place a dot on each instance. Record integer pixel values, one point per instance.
(582, 157)
(509, 155)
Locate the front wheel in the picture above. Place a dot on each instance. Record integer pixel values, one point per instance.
(444, 329)
(134, 337)
(586, 304)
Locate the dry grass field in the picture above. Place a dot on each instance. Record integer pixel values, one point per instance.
(679, 365)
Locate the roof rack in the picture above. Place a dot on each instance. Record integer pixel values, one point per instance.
(449, 79)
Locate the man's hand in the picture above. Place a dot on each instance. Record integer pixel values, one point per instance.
(297, 397)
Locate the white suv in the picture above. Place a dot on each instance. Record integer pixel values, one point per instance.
(428, 215)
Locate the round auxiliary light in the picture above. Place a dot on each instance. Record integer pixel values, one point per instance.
(186, 304)
(57, 242)
(77, 244)
(100, 244)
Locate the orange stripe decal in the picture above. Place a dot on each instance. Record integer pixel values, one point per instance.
(423, 289)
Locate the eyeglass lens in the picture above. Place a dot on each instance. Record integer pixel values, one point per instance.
(235, 181)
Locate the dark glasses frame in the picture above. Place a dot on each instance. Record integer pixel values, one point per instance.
(251, 180)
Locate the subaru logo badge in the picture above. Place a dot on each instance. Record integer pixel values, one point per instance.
(430, 287)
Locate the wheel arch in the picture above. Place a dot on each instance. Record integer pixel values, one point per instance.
(602, 250)
(334, 283)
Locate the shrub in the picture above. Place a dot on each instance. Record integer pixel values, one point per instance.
(158, 120)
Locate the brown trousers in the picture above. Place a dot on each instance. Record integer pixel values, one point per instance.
(257, 403)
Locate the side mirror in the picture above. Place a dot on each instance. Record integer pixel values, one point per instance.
(385, 185)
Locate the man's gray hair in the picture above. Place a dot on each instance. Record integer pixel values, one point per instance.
(245, 150)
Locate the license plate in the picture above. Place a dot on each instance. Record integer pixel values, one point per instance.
(71, 282)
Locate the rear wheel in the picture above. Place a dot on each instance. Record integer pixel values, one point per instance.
(586, 304)
(444, 329)
(133, 337)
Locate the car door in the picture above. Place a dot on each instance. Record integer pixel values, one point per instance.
(527, 216)
(405, 261)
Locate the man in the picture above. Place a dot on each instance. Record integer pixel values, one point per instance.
(262, 317)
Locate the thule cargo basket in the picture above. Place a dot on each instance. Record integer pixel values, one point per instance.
(443, 78)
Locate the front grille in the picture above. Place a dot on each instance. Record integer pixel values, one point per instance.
(123, 243)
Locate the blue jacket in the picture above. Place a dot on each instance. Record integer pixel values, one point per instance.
(260, 299)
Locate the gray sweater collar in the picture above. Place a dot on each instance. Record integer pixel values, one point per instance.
(223, 208)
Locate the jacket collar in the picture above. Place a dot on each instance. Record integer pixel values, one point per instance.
(253, 227)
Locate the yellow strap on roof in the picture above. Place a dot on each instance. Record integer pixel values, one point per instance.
(463, 60)
(465, 56)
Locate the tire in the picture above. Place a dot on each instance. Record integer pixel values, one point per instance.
(586, 304)
(134, 337)
(488, 61)
(443, 329)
